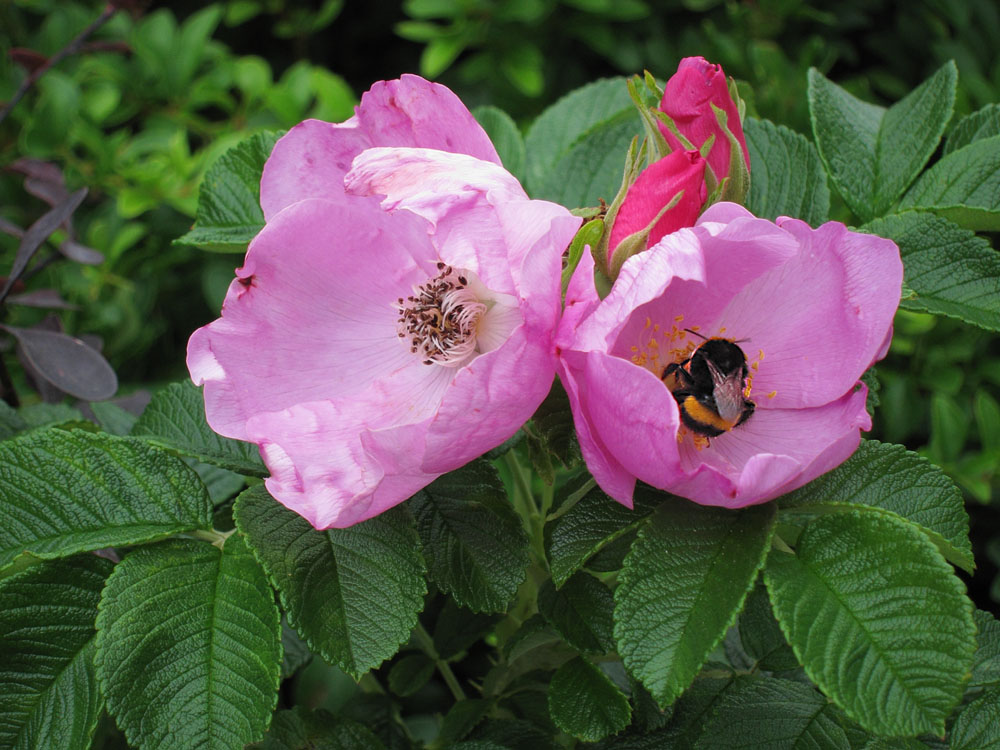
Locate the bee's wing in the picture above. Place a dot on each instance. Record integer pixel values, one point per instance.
(727, 391)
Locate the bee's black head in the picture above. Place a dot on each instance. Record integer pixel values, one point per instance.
(726, 355)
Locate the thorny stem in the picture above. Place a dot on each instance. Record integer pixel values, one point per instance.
(427, 645)
(70, 49)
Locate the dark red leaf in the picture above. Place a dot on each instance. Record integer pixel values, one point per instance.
(28, 59)
(81, 253)
(48, 298)
(67, 363)
(37, 234)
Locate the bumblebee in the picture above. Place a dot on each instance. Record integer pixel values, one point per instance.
(709, 386)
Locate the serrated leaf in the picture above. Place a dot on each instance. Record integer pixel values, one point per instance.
(977, 726)
(45, 415)
(585, 704)
(963, 187)
(50, 697)
(592, 168)
(886, 476)
(787, 177)
(983, 123)
(295, 654)
(175, 419)
(593, 523)
(873, 153)
(229, 213)
(512, 734)
(772, 714)
(473, 540)
(559, 126)
(189, 646)
(581, 611)
(65, 492)
(682, 586)
(877, 618)
(352, 594)
(952, 271)
(986, 661)
(301, 729)
(534, 633)
(551, 434)
(505, 136)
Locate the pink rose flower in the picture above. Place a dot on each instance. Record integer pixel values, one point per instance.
(688, 99)
(376, 339)
(657, 185)
(811, 310)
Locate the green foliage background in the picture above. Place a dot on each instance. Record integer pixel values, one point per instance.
(141, 127)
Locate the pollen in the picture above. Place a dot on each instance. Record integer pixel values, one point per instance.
(772, 394)
(441, 318)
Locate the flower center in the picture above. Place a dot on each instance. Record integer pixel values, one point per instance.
(441, 318)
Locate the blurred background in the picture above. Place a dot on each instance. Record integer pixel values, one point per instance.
(159, 91)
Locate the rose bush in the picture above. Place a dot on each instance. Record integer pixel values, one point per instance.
(811, 308)
(378, 338)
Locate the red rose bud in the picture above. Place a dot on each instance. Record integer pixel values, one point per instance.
(688, 100)
(667, 196)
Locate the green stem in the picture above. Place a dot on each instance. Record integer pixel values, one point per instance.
(523, 496)
(427, 645)
(368, 684)
(218, 538)
(778, 543)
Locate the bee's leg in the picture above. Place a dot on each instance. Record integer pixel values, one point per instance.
(675, 376)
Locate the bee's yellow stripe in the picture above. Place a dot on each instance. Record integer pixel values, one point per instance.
(703, 415)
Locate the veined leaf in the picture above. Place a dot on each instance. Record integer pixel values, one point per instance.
(65, 492)
(189, 646)
(873, 153)
(473, 540)
(877, 618)
(50, 697)
(352, 594)
(682, 586)
(584, 703)
(881, 475)
(787, 177)
(175, 419)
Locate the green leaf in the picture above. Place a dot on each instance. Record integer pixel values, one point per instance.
(175, 419)
(352, 594)
(877, 618)
(592, 168)
(889, 477)
(506, 138)
(772, 714)
(873, 154)
(581, 611)
(189, 646)
(295, 654)
(302, 729)
(984, 123)
(462, 718)
(473, 540)
(787, 177)
(65, 492)
(112, 417)
(964, 186)
(593, 523)
(683, 583)
(11, 422)
(952, 271)
(584, 703)
(761, 636)
(986, 661)
(50, 697)
(559, 126)
(977, 726)
(229, 213)
(410, 673)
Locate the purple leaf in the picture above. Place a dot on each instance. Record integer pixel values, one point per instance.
(67, 363)
(48, 298)
(81, 253)
(37, 234)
